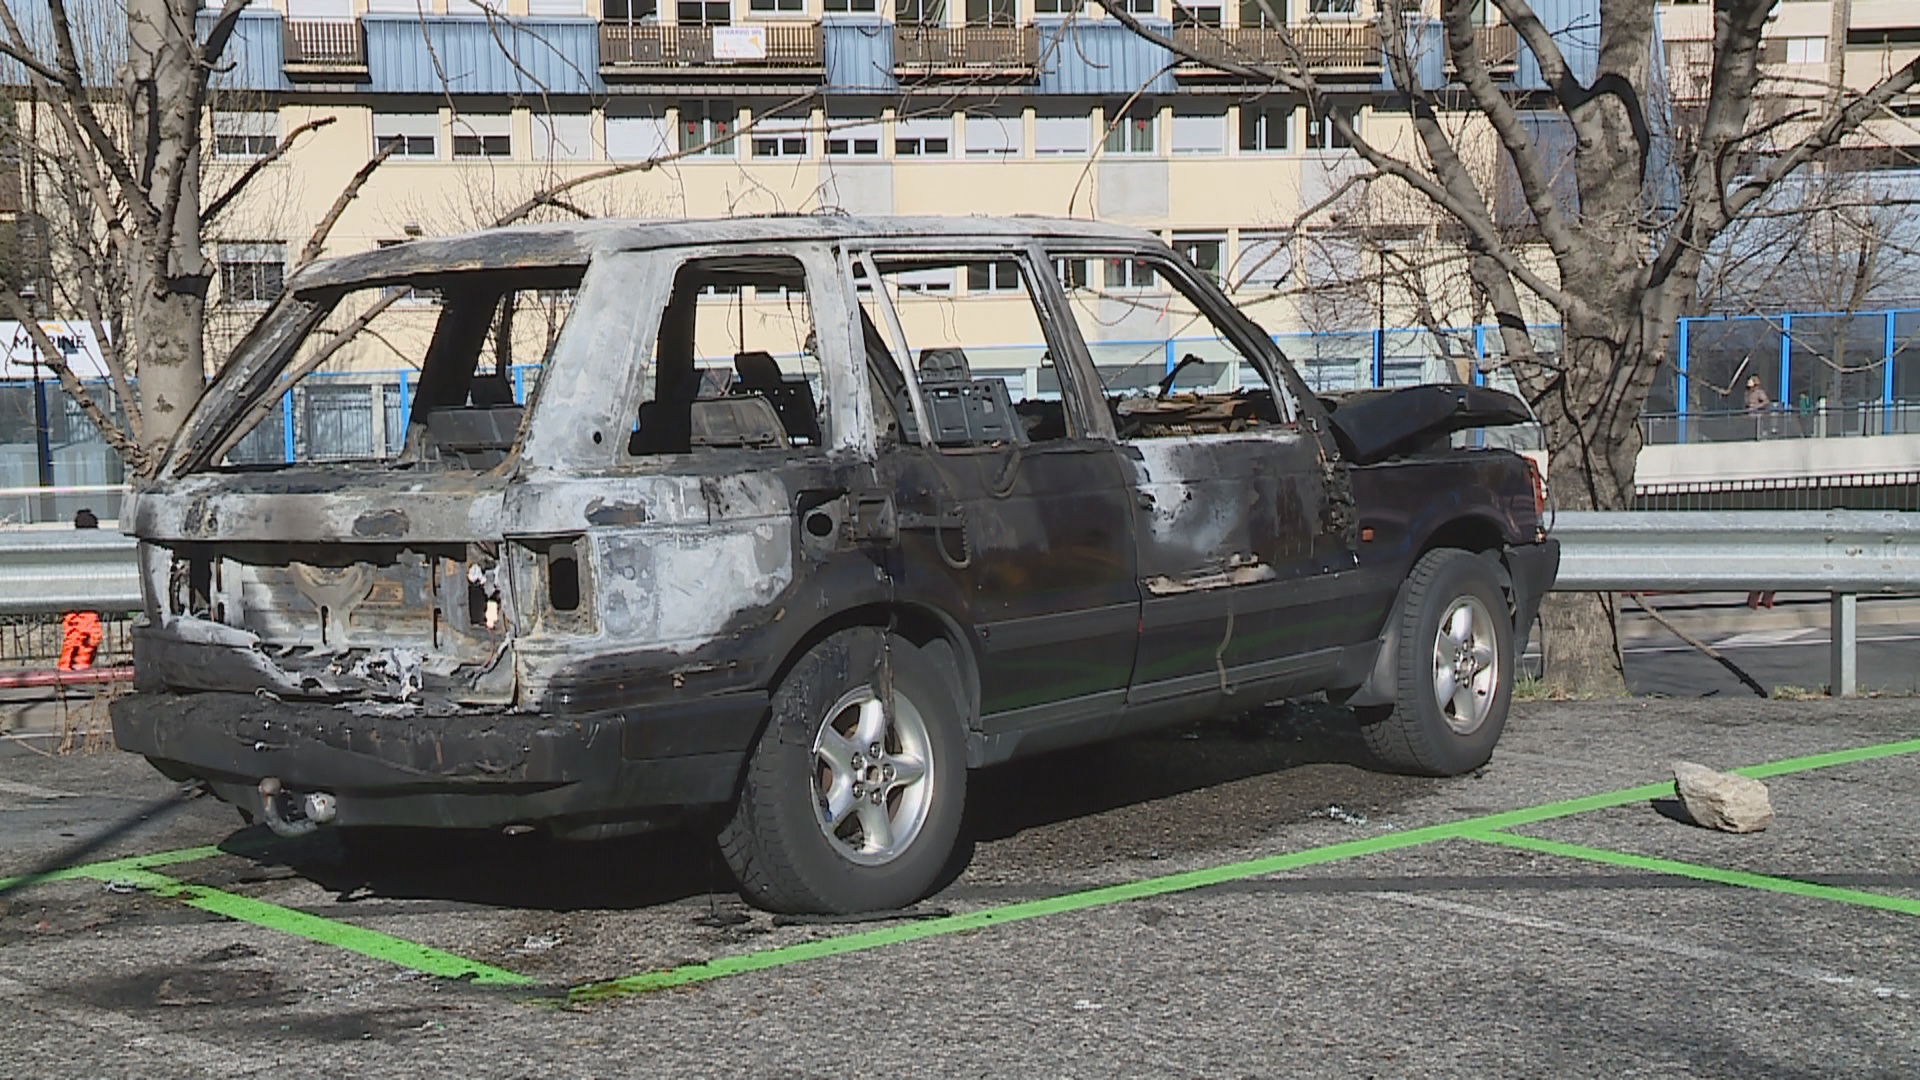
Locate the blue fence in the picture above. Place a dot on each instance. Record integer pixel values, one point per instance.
(1824, 374)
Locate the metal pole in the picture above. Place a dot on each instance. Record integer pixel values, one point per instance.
(1843, 630)
(1886, 379)
(1680, 380)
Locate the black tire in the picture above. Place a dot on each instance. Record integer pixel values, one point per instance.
(777, 842)
(1416, 734)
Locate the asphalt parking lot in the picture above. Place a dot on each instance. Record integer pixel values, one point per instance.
(1236, 899)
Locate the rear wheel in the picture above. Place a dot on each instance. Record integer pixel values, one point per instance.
(852, 801)
(1454, 667)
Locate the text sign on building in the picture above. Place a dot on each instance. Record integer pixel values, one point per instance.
(19, 354)
(739, 43)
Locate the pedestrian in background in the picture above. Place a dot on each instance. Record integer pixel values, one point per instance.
(80, 632)
(1758, 402)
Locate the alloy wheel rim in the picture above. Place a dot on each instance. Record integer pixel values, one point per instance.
(1466, 666)
(872, 777)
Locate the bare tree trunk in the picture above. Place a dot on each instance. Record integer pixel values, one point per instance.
(169, 267)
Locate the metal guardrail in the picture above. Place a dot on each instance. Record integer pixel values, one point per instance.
(47, 571)
(1839, 552)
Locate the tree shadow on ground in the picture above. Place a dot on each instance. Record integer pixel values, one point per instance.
(535, 873)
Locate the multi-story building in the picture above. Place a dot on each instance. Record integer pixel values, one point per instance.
(992, 106)
(862, 106)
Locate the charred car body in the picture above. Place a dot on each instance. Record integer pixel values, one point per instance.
(805, 571)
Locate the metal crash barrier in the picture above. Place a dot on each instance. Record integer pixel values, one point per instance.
(1839, 552)
(45, 571)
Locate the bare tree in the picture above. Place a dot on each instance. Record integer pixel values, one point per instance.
(1618, 251)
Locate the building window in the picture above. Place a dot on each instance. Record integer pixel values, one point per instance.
(1131, 133)
(937, 281)
(1073, 273)
(853, 136)
(993, 13)
(777, 7)
(993, 134)
(630, 11)
(482, 135)
(1055, 7)
(1129, 274)
(637, 131)
(1265, 262)
(1333, 7)
(781, 136)
(555, 7)
(1253, 15)
(1322, 134)
(252, 274)
(1806, 50)
(703, 12)
(1061, 134)
(562, 136)
(1196, 13)
(988, 277)
(920, 12)
(706, 127)
(1264, 130)
(413, 135)
(1199, 132)
(923, 136)
(851, 7)
(1131, 7)
(245, 134)
(1204, 252)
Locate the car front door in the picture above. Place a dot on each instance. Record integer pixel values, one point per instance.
(1242, 523)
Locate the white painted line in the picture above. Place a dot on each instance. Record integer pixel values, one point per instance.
(1819, 639)
(174, 1055)
(1649, 944)
(1781, 635)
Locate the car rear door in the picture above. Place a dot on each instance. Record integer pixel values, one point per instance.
(1012, 515)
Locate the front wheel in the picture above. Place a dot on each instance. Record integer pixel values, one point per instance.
(852, 801)
(1455, 669)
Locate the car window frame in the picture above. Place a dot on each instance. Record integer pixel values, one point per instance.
(1072, 364)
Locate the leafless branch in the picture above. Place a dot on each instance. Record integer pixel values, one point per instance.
(317, 242)
(225, 198)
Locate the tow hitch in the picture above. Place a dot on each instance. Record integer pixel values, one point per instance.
(288, 817)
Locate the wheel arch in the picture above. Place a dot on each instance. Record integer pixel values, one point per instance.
(928, 628)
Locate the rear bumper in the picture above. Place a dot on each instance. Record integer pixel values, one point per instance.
(578, 774)
(1533, 568)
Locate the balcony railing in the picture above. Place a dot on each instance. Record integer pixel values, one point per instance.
(325, 43)
(1499, 45)
(1318, 45)
(965, 50)
(768, 47)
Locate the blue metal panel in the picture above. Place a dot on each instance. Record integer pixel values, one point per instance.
(1102, 58)
(1575, 26)
(255, 58)
(859, 56)
(1427, 48)
(99, 29)
(482, 56)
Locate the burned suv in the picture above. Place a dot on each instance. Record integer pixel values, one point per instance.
(786, 524)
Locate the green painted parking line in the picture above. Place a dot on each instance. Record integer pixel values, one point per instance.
(1829, 759)
(369, 943)
(1478, 828)
(113, 866)
(1705, 873)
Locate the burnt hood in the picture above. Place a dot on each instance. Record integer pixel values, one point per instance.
(1373, 425)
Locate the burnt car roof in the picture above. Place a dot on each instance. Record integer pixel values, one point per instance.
(562, 244)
